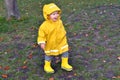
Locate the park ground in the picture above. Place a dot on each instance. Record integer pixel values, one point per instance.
(93, 31)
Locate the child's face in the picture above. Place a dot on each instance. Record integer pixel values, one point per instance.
(54, 16)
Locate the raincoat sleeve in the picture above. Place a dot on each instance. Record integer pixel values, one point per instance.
(41, 35)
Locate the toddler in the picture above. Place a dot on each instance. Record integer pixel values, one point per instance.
(52, 38)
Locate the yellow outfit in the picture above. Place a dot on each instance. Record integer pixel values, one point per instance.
(52, 33)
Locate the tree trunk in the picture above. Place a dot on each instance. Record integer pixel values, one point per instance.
(12, 9)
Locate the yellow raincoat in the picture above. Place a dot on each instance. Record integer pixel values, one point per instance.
(52, 33)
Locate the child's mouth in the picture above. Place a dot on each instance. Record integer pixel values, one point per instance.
(55, 19)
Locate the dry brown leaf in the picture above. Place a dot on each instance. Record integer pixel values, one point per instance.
(6, 68)
(30, 56)
(52, 78)
(70, 48)
(74, 34)
(24, 67)
(89, 50)
(35, 45)
(116, 77)
(4, 76)
(0, 67)
(75, 74)
(1, 39)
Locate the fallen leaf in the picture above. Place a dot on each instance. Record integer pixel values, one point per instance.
(105, 36)
(33, 28)
(104, 61)
(0, 67)
(74, 34)
(35, 45)
(1, 39)
(25, 62)
(86, 35)
(30, 56)
(70, 48)
(116, 77)
(24, 67)
(89, 50)
(113, 77)
(69, 76)
(6, 68)
(75, 74)
(52, 78)
(4, 76)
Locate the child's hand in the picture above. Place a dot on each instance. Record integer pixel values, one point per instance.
(42, 46)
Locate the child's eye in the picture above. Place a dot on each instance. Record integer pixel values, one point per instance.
(55, 14)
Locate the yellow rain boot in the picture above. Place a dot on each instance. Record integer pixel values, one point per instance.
(65, 64)
(47, 67)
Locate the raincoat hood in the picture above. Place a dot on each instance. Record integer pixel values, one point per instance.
(50, 8)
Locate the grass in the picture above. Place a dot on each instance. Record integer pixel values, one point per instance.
(93, 35)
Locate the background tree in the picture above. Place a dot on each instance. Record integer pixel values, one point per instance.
(12, 9)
